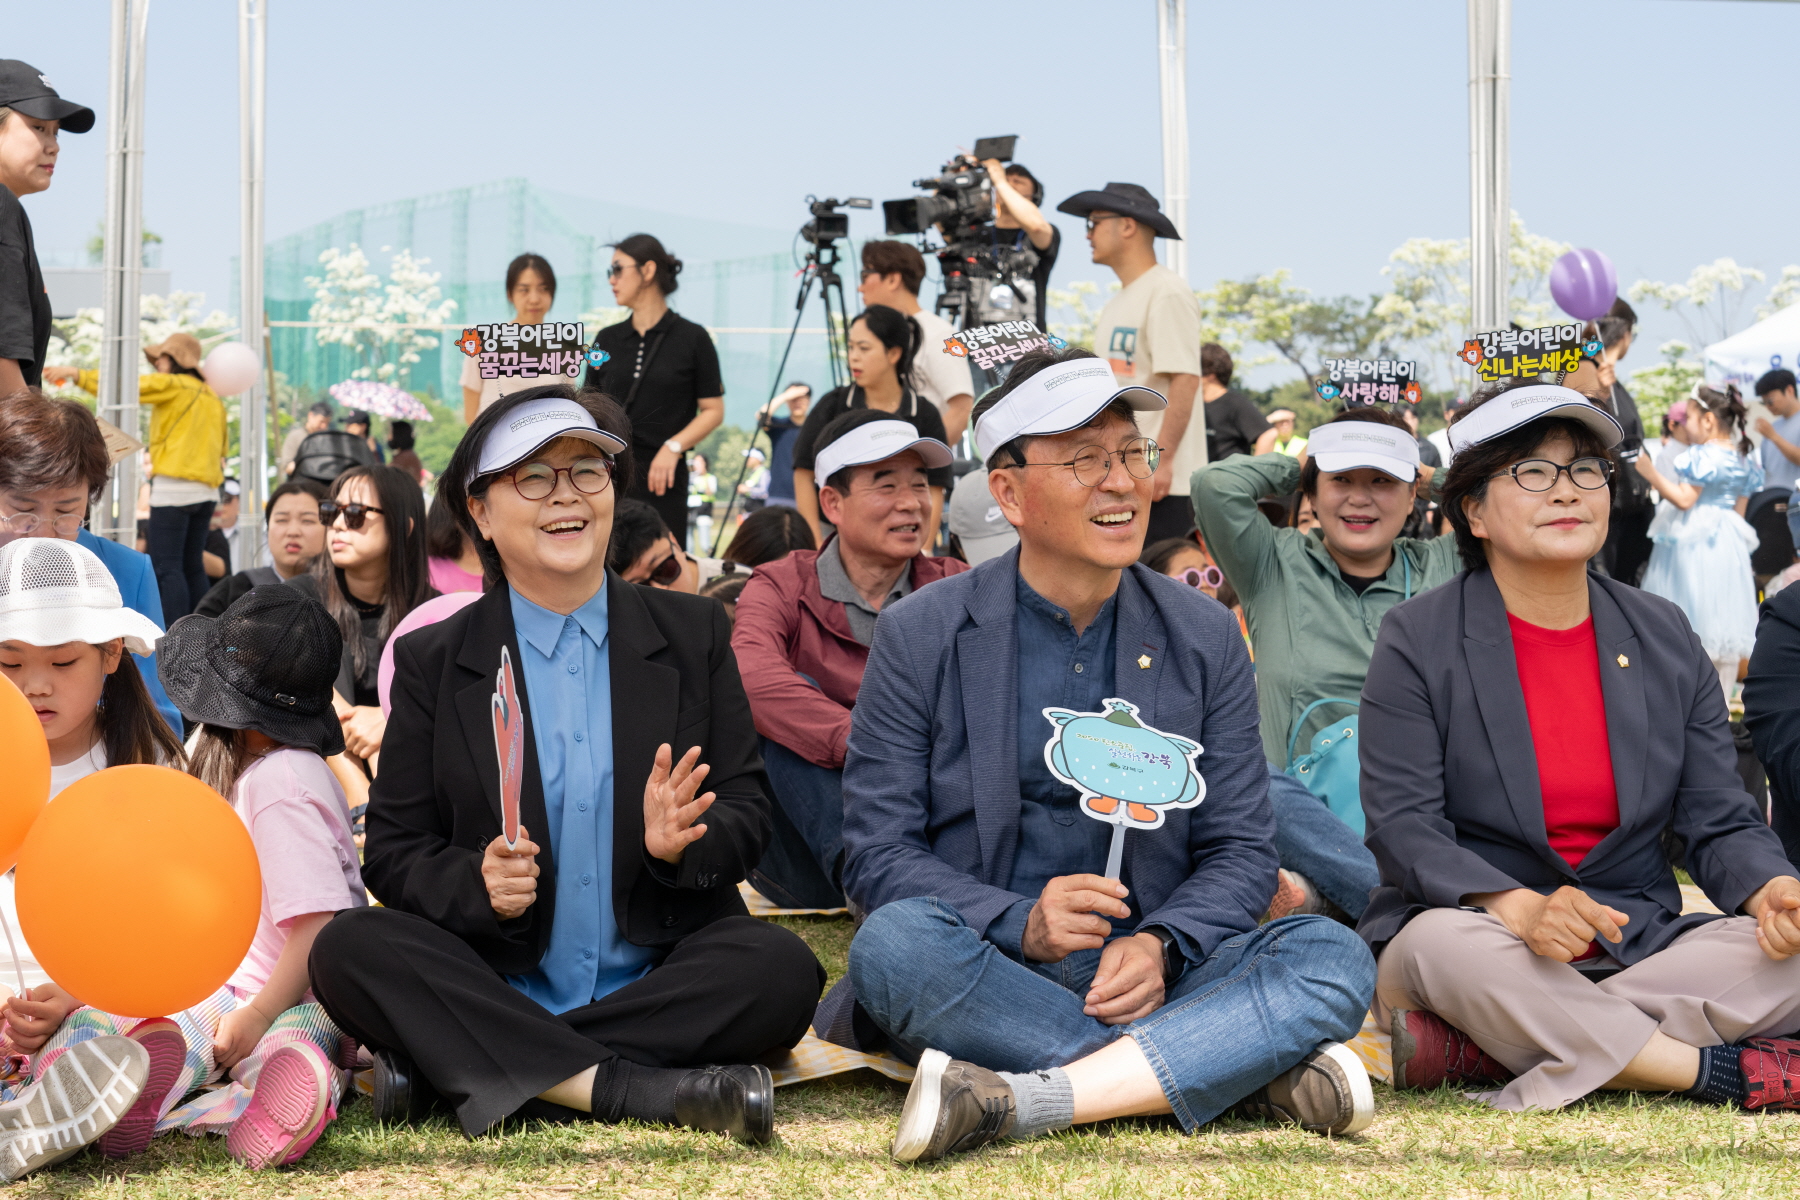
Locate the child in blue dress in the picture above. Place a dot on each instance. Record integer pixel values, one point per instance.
(1701, 557)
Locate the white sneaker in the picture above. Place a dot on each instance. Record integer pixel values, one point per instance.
(78, 1097)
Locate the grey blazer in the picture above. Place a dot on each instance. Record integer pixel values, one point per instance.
(1450, 781)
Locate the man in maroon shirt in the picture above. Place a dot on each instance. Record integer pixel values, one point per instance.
(804, 625)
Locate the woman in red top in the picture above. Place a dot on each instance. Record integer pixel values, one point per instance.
(1529, 926)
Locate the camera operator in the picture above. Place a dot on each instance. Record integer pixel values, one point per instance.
(1024, 242)
(891, 275)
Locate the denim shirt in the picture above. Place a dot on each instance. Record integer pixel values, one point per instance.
(1056, 669)
(568, 686)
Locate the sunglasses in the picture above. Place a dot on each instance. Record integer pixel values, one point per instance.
(1208, 576)
(354, 514)
(1094, 222)
(618, 269)
(668, 570)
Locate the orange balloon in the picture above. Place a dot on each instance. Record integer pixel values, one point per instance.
(139, 890)
(25, 784)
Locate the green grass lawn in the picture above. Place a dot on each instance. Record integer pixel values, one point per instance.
(833, 1140)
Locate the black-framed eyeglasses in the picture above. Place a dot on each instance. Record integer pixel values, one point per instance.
(1094, 222)
(537, 480)
(618, 269)
(1540, 474)
(354, 514)
(1092, 464)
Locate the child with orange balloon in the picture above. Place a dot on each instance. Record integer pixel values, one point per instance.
(257, 680)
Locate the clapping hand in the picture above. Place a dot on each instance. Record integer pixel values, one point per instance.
(670, 806)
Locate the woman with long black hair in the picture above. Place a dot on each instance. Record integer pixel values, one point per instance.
(373, 573)
(883, 343)
(663, 369)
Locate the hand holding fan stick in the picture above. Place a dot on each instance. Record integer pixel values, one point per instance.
(509, 747)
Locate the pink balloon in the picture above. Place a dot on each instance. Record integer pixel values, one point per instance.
(428, 613)
(231, 368)
(1583, 284)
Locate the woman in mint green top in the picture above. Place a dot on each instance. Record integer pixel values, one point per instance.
(1314, 601)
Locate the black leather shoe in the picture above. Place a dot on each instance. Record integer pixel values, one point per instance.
(739, 1100)
(401, 1096)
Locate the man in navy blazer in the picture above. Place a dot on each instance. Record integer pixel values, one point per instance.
(1037, 990)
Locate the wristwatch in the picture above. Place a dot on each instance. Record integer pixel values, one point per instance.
(674, 446)
(1173, 960)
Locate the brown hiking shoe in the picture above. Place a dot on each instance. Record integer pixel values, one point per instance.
(1328, 1092)
(1430, 1052)
(953, 1106)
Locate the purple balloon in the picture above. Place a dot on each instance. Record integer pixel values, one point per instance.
(1583, 284)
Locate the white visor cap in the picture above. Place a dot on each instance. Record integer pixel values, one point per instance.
(876, 442)
(1056, 400)
(534, 424)
(1347, 445)
(1509, 410)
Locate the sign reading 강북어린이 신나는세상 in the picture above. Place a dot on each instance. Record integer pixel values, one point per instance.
(523, 351)
(1520, 353)
(989, 346)
(1360, 381)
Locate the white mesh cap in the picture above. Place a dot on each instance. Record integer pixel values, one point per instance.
(52, 592)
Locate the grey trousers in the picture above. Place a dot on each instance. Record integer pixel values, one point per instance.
(1564, 1036)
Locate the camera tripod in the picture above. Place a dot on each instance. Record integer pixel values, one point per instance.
(819, 268)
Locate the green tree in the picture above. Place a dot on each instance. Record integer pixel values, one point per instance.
(1656, 388)
(1303, 330)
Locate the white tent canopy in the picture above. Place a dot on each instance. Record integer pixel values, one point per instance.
(1743, 357)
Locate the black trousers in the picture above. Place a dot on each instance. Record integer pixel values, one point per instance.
(671, 506)
(1170, 517)
(733, 992)
(177, 540)
(1628, 545)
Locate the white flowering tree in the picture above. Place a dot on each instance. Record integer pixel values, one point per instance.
(1656, 388)
(75, 342)
(1427, 306)
(1711, 302)
(379, 322)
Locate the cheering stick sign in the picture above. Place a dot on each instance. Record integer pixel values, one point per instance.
(509, 747)
(1129, 775)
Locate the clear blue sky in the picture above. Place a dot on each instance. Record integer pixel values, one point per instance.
(1324, 133)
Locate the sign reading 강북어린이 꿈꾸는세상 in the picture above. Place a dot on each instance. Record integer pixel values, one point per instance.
(513, 351)
(989, 346)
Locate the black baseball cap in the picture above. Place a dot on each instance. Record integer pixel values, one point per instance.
(25, 89)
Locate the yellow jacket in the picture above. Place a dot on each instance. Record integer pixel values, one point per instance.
(187, 425)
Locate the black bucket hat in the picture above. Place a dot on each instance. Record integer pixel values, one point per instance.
(268, 664)
(25, 89)
(1126, 199)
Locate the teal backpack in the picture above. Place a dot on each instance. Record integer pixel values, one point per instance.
(1331, 769)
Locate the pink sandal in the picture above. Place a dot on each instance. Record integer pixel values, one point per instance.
(162, 1040)
(289, 1109)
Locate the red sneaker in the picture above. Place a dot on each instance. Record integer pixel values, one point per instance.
(1771, 1072)
(1430, 1052)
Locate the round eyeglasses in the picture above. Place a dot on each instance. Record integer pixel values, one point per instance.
(1092, 464)
(537, 480)
(1540, 474)
(63, 525)
(1208, 576)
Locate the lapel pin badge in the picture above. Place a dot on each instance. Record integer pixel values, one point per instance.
(1623, 661)
(1143, 662)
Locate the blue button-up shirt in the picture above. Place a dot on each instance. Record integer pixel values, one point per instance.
(1057, 669)
(568, 687)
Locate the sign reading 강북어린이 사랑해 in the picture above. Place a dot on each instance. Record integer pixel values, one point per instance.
(513, 351)
(989, 346)
(1522, 353)
(1360, 381)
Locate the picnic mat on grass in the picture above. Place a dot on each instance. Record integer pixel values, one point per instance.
(761, 906)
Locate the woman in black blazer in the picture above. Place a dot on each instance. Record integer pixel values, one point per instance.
(1529, 732)
(604, 988)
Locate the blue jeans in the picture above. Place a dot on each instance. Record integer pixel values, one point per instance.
(1310, 839)
(804, 864)
(1256, 1007)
